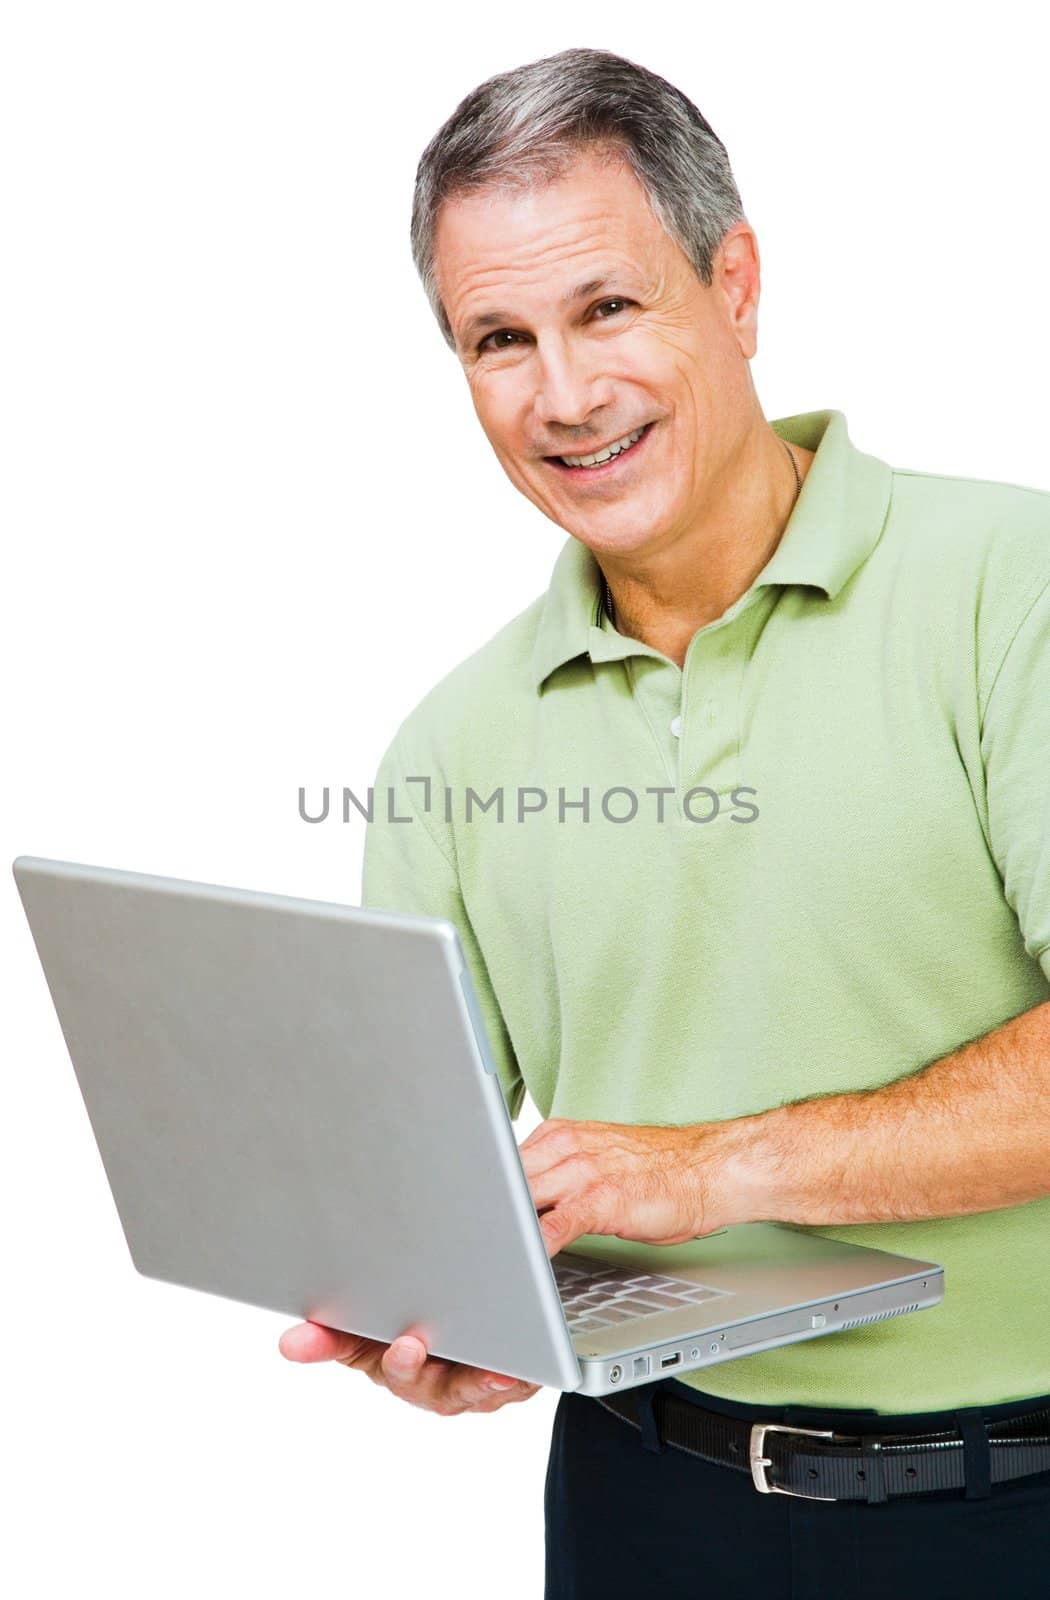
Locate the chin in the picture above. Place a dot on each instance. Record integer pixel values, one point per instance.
(607, 536)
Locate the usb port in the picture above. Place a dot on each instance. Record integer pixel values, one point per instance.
(671, 1360)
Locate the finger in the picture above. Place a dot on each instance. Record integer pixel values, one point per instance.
(563, 1224)
(311, 1341)
(404, 1361)
(474, 1388)
(492, 1400)
(480, 1382)
(563, 1180)
(551, 1142)
(407, 1360)
(439, 1385)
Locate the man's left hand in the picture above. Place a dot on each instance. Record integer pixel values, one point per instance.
(654, 1184)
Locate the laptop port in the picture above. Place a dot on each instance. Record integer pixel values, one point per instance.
(672, 1360)
(642, 1366)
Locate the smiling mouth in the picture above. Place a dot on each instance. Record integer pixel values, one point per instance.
(599, 462)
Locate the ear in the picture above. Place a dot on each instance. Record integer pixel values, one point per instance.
(737, 274)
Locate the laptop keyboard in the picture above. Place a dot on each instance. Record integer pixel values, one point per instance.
(597, 1297)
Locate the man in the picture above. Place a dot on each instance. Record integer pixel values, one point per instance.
(762, 918)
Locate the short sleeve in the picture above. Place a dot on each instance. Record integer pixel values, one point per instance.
(407, 869)
(1015, 748)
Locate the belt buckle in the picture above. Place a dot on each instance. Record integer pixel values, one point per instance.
(760, 1461)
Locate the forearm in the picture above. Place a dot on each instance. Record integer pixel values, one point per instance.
(968, 1133)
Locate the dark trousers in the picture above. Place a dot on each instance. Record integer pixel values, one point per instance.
(622, 1521)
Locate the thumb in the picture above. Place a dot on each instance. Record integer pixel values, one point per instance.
(310, 1341)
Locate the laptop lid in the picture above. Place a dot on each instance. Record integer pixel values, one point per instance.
(293, 1110)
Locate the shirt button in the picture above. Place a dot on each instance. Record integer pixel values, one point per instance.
(676, 727)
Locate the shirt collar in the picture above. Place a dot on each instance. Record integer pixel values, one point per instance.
(833, 528)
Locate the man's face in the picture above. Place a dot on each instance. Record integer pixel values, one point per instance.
(579, 322)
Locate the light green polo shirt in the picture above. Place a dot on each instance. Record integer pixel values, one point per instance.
(812, 860)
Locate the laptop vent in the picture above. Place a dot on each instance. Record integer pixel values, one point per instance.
(877, 1316)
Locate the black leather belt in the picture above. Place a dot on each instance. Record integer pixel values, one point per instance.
(819, 1465)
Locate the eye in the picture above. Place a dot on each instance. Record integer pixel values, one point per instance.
(609, 308)
(490, 340)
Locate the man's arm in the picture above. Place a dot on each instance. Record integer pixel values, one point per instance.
(968, 1133)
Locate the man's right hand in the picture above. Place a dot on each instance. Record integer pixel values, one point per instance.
(404, 1368)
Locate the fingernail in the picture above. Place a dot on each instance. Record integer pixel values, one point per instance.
(500, 1383)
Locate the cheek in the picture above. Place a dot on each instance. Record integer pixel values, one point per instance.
(501, 407)
(697, 406)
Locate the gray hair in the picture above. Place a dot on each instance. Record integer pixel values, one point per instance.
(526, 126)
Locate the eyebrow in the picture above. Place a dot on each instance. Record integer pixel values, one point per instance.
(486, 321)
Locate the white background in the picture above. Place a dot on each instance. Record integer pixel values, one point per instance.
(249, 519)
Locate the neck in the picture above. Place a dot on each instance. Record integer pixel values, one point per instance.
(663, 597)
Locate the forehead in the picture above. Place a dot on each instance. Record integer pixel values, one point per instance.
(494, 247)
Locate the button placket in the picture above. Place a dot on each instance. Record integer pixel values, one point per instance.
(709, 746)
(656, 718)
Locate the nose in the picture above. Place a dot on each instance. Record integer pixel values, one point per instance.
(569, 389)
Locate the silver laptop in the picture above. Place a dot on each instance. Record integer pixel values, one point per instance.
(296, 1106)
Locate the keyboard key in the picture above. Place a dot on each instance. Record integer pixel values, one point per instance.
(584, 1289)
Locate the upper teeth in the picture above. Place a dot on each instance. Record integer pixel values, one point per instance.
(607, 454)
